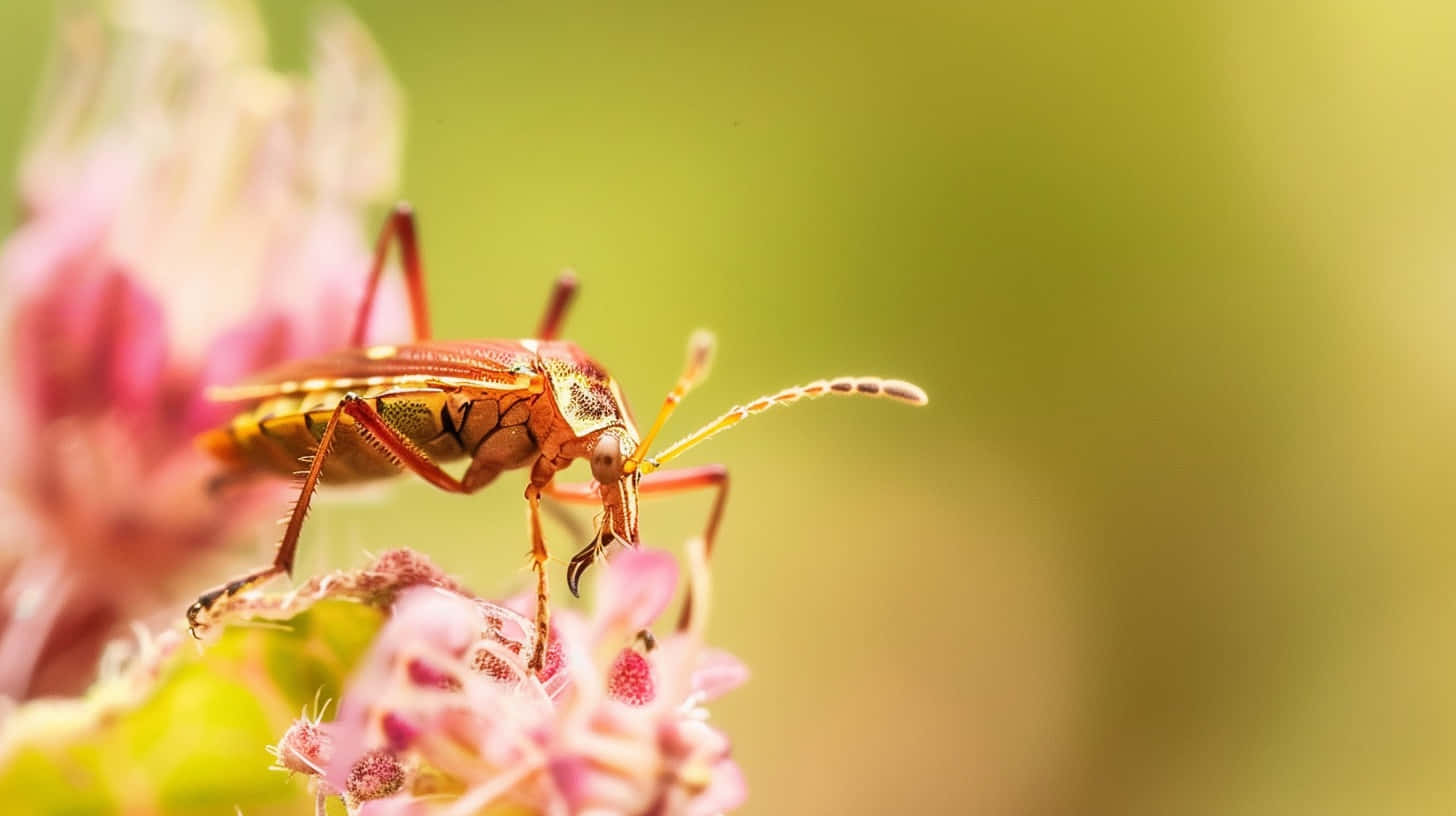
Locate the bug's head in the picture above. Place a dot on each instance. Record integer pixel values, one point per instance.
(617, 486)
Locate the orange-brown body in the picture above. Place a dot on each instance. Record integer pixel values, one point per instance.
(503, 404)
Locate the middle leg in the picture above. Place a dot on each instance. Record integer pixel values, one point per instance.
(555, 315)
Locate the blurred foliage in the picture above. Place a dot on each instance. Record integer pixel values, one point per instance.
(1174, 534)
(195, 744)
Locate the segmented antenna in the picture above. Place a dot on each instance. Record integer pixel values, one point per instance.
(862, 386)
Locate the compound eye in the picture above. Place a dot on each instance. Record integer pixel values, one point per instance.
(606, 460)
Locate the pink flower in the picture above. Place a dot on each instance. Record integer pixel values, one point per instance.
(616, 726)
(189, 216)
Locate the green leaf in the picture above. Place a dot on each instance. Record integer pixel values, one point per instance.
(194, 741)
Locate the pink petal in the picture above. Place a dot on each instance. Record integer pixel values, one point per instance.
(138, 346)
(332, 262)
(689, 738)
(718, 673)
(727, 791)
(92, 341)
(572, 775)
(694, 743)
(576, 656)
(56, 346)
(71, 226)
(399, 732)
(422, 617)
(241, 350)
(592, 784)
(634, 589)
(426, 675)
(395, 806)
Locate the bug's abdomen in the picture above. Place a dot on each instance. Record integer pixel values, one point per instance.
(280, 432)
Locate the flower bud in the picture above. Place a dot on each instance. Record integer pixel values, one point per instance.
(376, 775)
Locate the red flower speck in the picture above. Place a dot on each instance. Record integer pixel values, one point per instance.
(630, 679)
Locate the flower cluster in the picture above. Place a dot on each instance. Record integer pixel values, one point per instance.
(188, 216)
(445, 717)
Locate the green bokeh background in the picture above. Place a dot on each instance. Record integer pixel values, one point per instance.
(1175, 532)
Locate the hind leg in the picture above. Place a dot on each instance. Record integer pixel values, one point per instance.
(375, 431)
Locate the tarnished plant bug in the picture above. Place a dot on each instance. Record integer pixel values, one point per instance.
(368, 412)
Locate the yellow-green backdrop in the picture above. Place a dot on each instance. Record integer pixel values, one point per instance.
(1174, 534)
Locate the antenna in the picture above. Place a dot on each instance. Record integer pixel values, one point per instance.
(849, 386)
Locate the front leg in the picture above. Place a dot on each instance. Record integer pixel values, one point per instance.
(541, 475)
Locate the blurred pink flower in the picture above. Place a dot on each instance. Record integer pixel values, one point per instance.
(188, 216)
(444, 703)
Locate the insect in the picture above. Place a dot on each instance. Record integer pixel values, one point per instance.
(369, 412)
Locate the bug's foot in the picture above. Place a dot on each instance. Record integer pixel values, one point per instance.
(200, 612)
(197, 612)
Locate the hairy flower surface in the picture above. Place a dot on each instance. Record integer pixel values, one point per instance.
(444, 717)
(188, 216)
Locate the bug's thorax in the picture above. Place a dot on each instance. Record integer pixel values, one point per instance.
(584, 403)
(586, 397)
